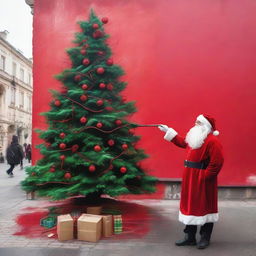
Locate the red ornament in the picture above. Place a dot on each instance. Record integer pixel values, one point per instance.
(102, 85)
(74, 148)
(62, 146)
(100, 53)
(109, 108)
(84, 86)
(124, 146)
(83, 120)
(47, 144)
(104, 20)
(86, 62)
(62, 135)
(83, 51)
(33, 174)
(111, 142)
(67, 175)
(99, 124)
(118, 122)
(109, 62)
(57, 103)
(110, 87)
(97, 148)
(123, 170)
(62, 157)
(99, 102)
(52, 169)
(131, 131)
(100, 70)
(84, 40)
(95, 26)
(78, 78)
(92, 168)
(97, 34)
(64, 90)
(83, 97)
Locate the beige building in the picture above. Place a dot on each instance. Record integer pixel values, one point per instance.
(15, 94)
(31, 4)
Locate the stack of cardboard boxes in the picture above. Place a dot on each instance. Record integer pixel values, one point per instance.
(90, 226)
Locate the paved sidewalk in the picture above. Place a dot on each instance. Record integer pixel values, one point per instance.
(234, 234)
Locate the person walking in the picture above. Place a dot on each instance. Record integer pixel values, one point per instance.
(14, 155)
(25, 149)
(28, 152)
(21, 161)
(1, 158)
(199, 198)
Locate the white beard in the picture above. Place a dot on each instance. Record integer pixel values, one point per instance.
(196, 136)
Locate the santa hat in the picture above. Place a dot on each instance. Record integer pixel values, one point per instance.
(209, 121)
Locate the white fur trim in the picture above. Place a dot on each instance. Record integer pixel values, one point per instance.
(203, 120)
(198, 220)
(170, 134)
(216, 133)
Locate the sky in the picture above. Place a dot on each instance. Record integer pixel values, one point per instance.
(16, 18)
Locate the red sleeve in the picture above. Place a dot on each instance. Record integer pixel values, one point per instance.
(216, 159)
(179, 141)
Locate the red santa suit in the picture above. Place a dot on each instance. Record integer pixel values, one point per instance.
(198, 204)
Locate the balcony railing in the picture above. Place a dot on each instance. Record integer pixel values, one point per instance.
(14, 80)
(5, 74)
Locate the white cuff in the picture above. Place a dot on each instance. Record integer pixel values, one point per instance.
(170, 134)
(198, 220)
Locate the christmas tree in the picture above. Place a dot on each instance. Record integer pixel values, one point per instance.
(89, 147)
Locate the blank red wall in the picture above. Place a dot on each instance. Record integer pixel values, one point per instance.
(182, 58)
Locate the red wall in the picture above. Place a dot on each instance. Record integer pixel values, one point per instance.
(182, 58)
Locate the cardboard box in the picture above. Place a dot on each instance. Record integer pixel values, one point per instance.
(65, 227)
(31, 195)
(89, 227)
(94, 210)
(107, 225)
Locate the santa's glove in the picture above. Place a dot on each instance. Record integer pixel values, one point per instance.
(163, 127)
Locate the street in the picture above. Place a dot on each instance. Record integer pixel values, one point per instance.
(233, 235)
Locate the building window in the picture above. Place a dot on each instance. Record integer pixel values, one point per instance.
(2, 63)
(21, 99)
(29, 79)
(29, 103)
(14, 69)
(12, 96)
(1, 101)
(22, 74)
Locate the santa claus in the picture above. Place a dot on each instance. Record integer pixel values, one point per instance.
(199, 198)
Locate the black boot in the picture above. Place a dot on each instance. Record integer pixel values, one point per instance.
(188, 240)
(190, 236)
(204, 242)
(206, 232)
